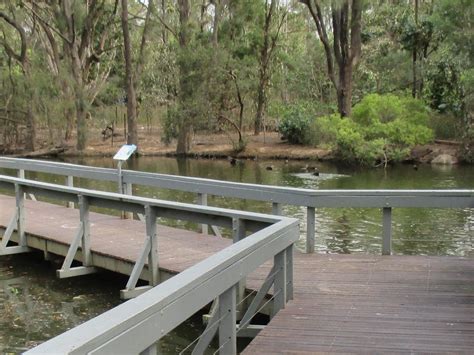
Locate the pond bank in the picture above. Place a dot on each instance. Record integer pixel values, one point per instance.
(266, 146)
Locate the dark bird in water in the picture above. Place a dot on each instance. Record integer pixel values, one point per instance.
(316, 172)
(269, 167)
(232, 161)
(415, 166)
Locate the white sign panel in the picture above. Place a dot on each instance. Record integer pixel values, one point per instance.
(125, 151)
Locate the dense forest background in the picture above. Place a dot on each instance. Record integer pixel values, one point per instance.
(369, 79)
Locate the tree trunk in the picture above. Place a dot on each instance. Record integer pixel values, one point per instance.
(81, 124)
(185, 127)
(346, 26)
(132, 135)
(344, 91)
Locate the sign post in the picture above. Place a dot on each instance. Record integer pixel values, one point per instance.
(121, 156)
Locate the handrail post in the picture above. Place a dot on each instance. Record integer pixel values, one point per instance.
(238, 233)
(153, 265)
(387, 231)
(280, 290)
(227, 328)
(128, 190)
(276, 209)
(202, 200)
(238, 229)
(310, 228)
(20, 210)
(84, 217)
(70, 183)
(289, 272)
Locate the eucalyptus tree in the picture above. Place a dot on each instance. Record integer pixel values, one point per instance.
(20, 54)
(88, 33)
(346, 27)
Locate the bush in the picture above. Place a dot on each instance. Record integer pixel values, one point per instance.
(294, 125)
(383, 128)
(323, 131)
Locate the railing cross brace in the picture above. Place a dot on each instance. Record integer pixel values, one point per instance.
(150, 252)
(82, 239)
(18, 221)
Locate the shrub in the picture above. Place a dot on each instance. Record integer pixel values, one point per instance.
(382, 129)
(294, 125)
(323, 131)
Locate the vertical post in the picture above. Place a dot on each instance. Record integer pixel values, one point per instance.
(202, 200)
(276, 209)
(387, 231)
(70, 183)
(238, 229)
(150, 220)
(128, 190)
(310, 228)
(84, 216)
(21, 173)
(289, 272)
(227, 328)
(20, 214)
(279, 287)
(119, 177)
(238, 233)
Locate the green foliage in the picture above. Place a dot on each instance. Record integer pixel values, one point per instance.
(382, 128)
(323, 131)
(294, 125)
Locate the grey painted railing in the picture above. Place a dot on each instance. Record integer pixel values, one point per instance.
(135, 326)
(386, 200)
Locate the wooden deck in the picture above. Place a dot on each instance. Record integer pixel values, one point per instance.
(375, 304)
(343, 303)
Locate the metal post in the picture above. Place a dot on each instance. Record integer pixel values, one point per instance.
(150, 216)
(310, 228)
(227, 328)
(289, 272)
(276, 209)
(84, 217)
(20, 214)
(202, 200)
(387, 231)
(70, 183)
(279, 286)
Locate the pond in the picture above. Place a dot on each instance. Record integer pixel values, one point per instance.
(36, 306)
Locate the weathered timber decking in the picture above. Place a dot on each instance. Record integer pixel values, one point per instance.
(342, 303)
(115, 243)
(375, 304)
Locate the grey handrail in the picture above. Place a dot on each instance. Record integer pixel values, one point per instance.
(311, 199)
(132, 327)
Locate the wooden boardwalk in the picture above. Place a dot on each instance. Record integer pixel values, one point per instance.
(375, 304)
(343, 303)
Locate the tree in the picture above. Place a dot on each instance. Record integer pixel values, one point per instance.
(185, 119)
(132, 133)
(22, 59)
(266, 51)
(346, 19)
(87, 33)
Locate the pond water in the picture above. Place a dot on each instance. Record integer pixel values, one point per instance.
(36, 306)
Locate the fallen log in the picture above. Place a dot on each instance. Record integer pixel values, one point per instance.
(46, 152)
